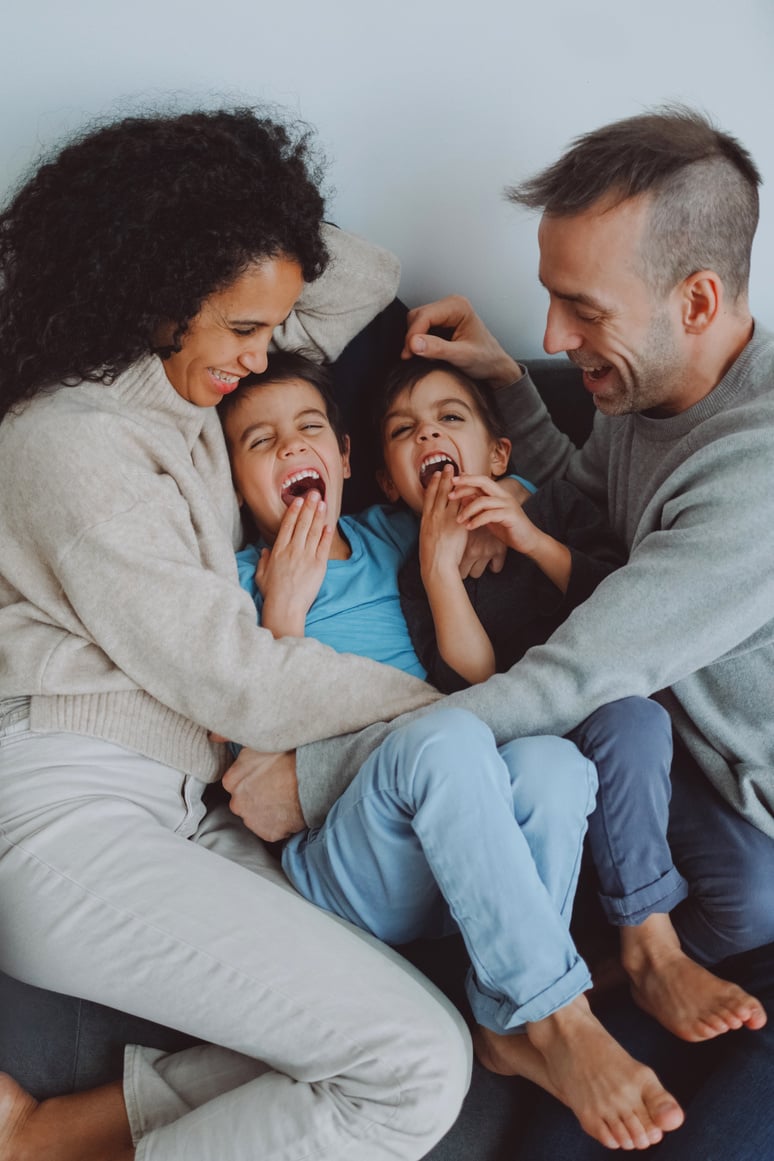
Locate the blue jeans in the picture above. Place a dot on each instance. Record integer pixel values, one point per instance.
(649, 821)
(441, 831)
(630, 742)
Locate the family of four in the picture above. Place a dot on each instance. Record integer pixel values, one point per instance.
(148, 432)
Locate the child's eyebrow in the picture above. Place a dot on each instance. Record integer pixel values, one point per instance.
(312, 411)
(262, 424)
(452, 401)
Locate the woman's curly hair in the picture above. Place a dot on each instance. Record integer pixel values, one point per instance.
(132, 226)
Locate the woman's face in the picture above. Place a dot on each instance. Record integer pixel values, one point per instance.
(230, 335)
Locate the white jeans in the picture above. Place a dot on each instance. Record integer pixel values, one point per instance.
(116, 886)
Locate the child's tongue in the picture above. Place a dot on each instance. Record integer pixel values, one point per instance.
(428, 469)
(300, 488)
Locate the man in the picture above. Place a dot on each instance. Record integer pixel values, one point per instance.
(645, 244)
(645, 251)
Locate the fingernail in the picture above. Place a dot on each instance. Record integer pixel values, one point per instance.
(419, 344)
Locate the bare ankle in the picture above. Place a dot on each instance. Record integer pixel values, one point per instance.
(645, 945)
(89, 1126)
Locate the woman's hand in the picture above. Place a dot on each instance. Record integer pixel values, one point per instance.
(264, 793)
(289, 575)
(472, 347)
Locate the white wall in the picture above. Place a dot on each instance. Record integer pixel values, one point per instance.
(425, 108)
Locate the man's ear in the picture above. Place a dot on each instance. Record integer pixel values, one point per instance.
(384, 480)
(499, 456)
(701, 299)
(347, 472)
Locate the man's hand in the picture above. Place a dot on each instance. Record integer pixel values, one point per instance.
(472, 347)
(264, 793)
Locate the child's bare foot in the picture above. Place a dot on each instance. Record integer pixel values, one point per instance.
(618, 1101)
(84, 1127)
(687, 999)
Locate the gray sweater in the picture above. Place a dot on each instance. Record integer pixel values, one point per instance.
(690, 616)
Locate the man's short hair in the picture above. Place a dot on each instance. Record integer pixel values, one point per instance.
(703, 184)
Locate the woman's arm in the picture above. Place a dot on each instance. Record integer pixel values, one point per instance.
(361, 280)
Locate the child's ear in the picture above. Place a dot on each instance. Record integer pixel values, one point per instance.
(347, 472)
(384, 481)
(499, 456)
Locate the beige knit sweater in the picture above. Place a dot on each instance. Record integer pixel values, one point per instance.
(120, 611)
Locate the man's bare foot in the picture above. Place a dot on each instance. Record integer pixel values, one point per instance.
(618, 1101)
(688, 1000)
(90, 1126)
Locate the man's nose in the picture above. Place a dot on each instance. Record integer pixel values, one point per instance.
(560, 334)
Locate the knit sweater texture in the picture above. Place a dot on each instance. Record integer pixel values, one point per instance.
(689, 618)
(121, 615)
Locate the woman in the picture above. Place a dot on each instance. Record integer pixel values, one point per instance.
(144, 270)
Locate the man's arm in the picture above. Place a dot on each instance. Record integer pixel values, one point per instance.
(697, 588)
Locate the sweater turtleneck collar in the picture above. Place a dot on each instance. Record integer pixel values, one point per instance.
(145, 386)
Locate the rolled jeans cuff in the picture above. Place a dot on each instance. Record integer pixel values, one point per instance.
(502, 1015)
(660, 896)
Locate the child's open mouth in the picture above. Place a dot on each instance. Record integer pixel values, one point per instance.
(435, 463)
(307, 480)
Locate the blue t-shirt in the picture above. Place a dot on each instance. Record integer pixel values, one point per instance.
(357, 609)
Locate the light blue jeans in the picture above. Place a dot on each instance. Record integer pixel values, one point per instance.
(440, 831)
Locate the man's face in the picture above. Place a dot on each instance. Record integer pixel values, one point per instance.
(602, 312)
(282, 446)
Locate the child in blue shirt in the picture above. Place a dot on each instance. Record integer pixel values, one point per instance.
(440, 830)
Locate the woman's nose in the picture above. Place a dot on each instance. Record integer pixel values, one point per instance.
(256, 359)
